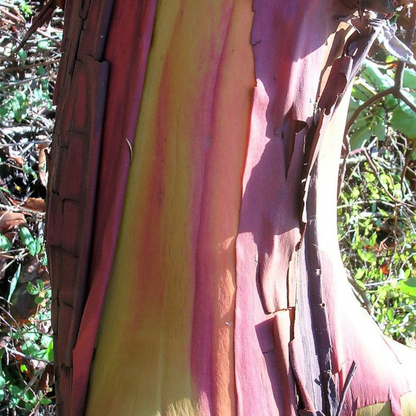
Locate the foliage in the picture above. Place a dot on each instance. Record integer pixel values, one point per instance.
(374, 78)
(27, 78)
(27, 354)
(378, 234)
(377, 220)
(387, 111)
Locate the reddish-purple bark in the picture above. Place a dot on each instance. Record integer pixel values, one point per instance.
(296, 333)
(88, 167)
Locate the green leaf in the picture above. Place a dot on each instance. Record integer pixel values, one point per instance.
(43, 44)
(44, 260)
(27, 168)
(379, 129)
(404, 120)
(49, 352)
(31, 336)
(5, 244)
(411, 97)
(355, 193)
(374, 76)
(370, 177)
(408, 287)
(30, 400)
(359, 137)
(26, 236)
(359, 92)
(38, 242)
(366, 256)
(390, 314)
(25, 8)
(359, 274)
(33, 350)
(373, 239)
(38, 94)
(22, 55)
(15, 392)
(34, 247)
(409, 78)
(45, 401)
(5, 190)
(386, 180)
(39, 300)
(21, 97)
(13, 282)
(361, 121)
(390, 101)
(32, 289)
(41, 70)
(46, 340)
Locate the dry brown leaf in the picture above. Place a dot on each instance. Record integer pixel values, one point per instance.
(9, 220)
(32, 204)
(35, 204)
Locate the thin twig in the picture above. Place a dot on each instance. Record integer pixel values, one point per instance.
(25, 67)
(348, 381)
(374, 168)
(370, 101)
(12, 16)
(21, 144)
(46, 35)
(399, 94)
(397, 89)
(23, 81)
(363, 294)
(26, 357)
(11, 317)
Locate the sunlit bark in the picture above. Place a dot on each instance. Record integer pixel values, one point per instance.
(221, 123)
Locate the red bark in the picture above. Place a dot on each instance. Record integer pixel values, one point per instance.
(297, 329)
(88, 168)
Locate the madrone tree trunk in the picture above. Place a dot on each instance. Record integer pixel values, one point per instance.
(192, 214)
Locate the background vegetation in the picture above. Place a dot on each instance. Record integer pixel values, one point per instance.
(377, 217)
(27, 78)
(377, 227)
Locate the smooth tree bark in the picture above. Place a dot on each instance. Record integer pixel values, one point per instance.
(192, 226)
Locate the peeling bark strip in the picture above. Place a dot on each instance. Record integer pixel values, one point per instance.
(97, 111)
(234, 113)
